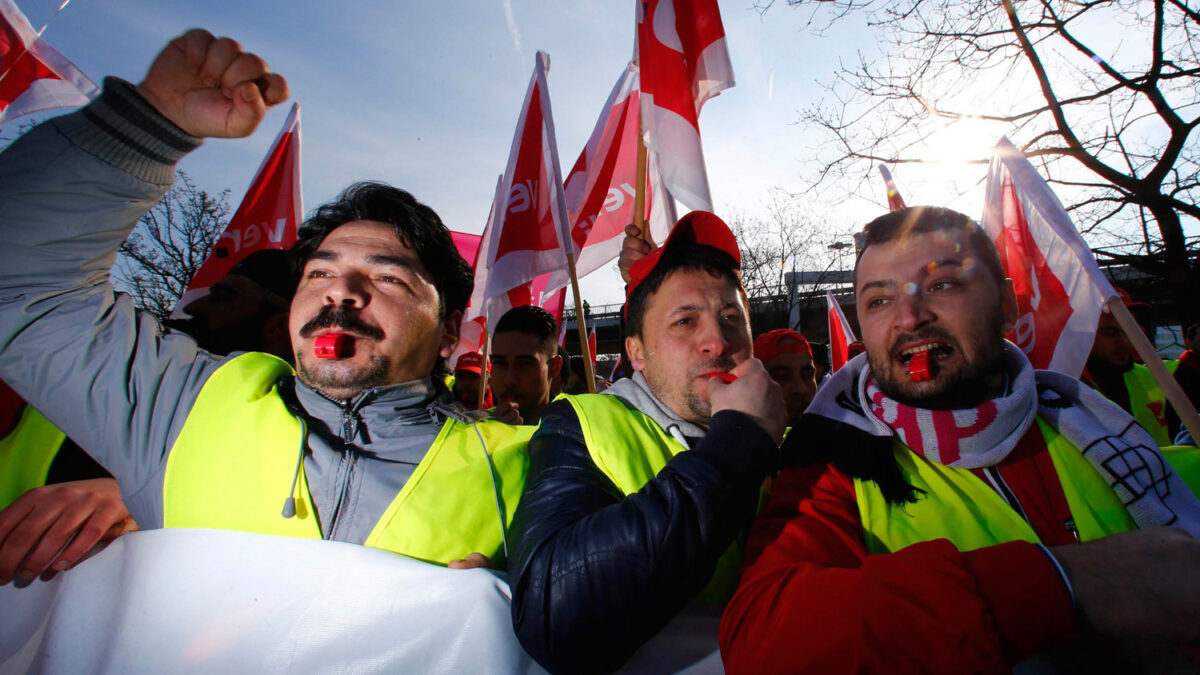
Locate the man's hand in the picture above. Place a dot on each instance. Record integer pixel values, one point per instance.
(633, 249)
(209, 87)
(36, 527)
(507, 412)
(472, 561)
(1144, 583)
(753, 394)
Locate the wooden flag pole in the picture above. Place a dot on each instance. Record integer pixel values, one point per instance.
(1179, 400)
(487, 353)
(639, 195)
(579, 323)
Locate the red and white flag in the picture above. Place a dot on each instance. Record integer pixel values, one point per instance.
(895, 201)
(840, 333)
(592, 346)
(684, 62)
(268, 216)
(530, 225)
(600, 187)
(467, 244)
(33, 75)
(1060, 289)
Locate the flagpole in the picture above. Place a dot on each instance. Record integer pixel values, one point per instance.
(487, 353)
(1179, 400)
(639, 195)
(579, 324)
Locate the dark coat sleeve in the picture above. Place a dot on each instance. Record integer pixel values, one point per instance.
(595, 573)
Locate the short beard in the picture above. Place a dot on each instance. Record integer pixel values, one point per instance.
(330, 377)
(971, 386)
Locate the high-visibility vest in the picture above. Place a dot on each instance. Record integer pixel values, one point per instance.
(1147, 402)
(232, 467)
(957, 505)
(631, 448)
(26, 454)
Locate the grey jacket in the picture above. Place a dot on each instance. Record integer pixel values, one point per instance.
(111, 377)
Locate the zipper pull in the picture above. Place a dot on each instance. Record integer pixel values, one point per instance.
(1069, 523)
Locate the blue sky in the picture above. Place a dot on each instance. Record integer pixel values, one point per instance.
(425, 95)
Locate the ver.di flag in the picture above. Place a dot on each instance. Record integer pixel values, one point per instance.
(268, 216)
(33, 75)
(684, 62)
(895, 201)
(840, 333)
(1060, 289)
(600, 188)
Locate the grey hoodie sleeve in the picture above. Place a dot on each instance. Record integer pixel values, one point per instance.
(70, 191)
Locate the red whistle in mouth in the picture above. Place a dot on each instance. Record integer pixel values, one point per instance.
(329, 345)
(724, 377)
(918, 367)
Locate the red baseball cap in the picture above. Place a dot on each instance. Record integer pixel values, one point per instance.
(780, 341)
(471, 361)
(698, 228)
(1127, 300)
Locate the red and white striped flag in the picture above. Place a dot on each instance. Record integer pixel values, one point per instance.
(895, 201)
(33, 75)
(684, 62)
(1060, 289)
(530, 224)
(840, 333)
(268, 216)
(600, 188)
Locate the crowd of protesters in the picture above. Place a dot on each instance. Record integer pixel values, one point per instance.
(935, 505)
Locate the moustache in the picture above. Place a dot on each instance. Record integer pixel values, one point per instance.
(342, 317)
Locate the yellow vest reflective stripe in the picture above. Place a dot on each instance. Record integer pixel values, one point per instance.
(26, 454)
(232, 467)
(631, 448)
(1147, 401)
(958, 506)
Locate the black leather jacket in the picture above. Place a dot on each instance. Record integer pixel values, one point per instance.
(595, 574)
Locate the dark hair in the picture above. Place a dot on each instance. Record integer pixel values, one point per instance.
(687, 257)
(577, 368)
(923, 220)
(565, 373)
(534, 321)
(415, 224)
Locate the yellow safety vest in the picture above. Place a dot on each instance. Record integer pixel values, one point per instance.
(958, 506)
(232, 466)
(631, 448)
(1147, 401)
(26, 454)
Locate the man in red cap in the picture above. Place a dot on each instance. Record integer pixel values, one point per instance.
(468, 376)
(637, 496)
(1111, 369)
(788, 357)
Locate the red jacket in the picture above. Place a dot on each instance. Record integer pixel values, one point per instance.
(812, 600)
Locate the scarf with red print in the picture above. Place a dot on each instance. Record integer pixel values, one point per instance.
(1122, 452)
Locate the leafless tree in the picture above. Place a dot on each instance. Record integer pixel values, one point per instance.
(168, 246)
(1103, 94)
(789, 238)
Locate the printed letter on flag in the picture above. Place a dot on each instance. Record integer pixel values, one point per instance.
(530, 224)
(895, 201)
(840, 334)
(33, 75)
(268, 216)
(1060, 289)
(683, 62)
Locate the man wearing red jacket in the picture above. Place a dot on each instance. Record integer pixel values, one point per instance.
(939, 487)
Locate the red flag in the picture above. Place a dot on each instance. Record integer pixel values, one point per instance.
(530, 222)
(467, 244)
(895, 201)
(1060, 289)
(268, 216)
(33, 75)
(684, 62)
(840, 334)
(600, 187)
(592, 346)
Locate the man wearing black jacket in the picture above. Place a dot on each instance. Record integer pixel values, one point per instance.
(636, 497)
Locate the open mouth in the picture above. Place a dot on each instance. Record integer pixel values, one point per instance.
(937, 351)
